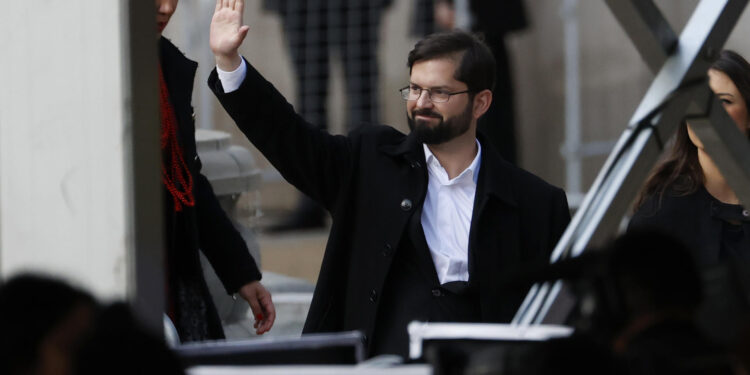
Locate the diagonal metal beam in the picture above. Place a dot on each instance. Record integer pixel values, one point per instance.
(728, 147)
(678, 91)
(647, 28)
(655, 40)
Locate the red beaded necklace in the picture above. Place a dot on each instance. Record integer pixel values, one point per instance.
(177, 174)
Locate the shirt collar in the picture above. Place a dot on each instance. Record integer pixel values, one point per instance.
(472, 169)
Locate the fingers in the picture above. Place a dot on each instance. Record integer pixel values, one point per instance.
(240, 6)
(270, 314)
(254, 306)
(218, 5)
(260, 302)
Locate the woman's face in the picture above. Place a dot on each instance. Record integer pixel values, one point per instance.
(731, 98)
(164, 11)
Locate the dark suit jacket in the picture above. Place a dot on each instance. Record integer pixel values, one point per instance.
(205, 226)
(372, 181)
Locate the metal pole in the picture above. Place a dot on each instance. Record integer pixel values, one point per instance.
(572, 144)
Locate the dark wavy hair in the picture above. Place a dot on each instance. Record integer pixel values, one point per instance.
(31, 308)
(476, 64)
(680, 171)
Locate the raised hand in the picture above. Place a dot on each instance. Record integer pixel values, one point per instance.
(227, 33)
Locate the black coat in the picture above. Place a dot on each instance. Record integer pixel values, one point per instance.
(205, 226)
(372, 181)
(693, 219)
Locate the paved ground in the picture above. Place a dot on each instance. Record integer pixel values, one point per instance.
(290, 262)
(296, 254)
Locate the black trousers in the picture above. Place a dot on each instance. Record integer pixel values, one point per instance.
(316, 28)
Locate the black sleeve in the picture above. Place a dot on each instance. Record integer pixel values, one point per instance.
(314, 161)
(220, 241)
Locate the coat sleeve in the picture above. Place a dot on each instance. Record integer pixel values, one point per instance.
(312, 160)
(220, 241)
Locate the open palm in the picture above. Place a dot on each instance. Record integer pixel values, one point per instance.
(227, 31)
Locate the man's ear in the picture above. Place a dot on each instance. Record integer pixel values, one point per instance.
(481, 103)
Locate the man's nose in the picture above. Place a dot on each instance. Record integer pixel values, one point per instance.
(424, 99)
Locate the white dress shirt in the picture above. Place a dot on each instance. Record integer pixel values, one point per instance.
(448, 205)
(446, 216)
(231, 81)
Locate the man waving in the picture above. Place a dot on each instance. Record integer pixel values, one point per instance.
(424, 225)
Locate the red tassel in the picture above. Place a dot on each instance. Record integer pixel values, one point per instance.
(174, 170)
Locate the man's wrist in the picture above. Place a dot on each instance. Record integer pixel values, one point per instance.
(232, 80)
(228, 63)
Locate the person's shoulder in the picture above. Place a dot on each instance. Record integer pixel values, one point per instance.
(667, 207)
(672, 200)
(531, 193)
(501, 170)
(529, 180)
(527, 185)
(376, 134)
(170, 52)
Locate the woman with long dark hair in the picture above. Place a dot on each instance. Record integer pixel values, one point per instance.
(686, 195)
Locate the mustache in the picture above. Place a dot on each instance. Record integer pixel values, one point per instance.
(425, 112)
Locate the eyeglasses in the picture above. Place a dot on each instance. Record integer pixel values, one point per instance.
(435, 95)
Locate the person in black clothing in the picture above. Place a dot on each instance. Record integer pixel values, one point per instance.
(686, 195)
(424, 225)
(193, 217)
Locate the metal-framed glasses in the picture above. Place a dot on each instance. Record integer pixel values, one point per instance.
(435, 95)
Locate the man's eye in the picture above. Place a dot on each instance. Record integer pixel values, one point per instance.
(726, 101)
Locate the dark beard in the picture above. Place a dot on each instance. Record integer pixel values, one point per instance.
(444, 131)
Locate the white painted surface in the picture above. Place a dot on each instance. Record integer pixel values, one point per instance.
(419, 369)
(62, 132)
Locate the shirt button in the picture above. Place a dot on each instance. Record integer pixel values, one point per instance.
(387, 250)
(437, 292)
(745, 213)
(406, 204)
(373, 295)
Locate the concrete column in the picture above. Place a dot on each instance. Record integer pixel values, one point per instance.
(79, 162)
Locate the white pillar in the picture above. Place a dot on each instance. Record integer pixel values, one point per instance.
(78, 135)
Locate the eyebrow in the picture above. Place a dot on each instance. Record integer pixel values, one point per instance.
(431, 88)
(724, 94)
